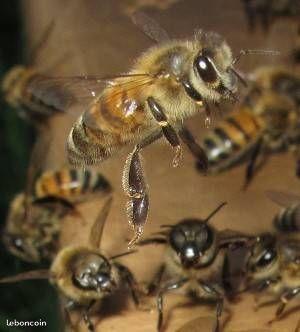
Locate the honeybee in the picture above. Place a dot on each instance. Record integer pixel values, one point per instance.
(17, 84)
(195, 261)
(287, 220)
(267, 11)
(273, 271)
(33, 223)
(83, 275)
(168, 83)
(280, 79)
(270, 125)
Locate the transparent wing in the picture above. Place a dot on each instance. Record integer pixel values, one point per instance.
(282, 198)
(29, 275)
(150, 27)
(98, 226)
(63, 92)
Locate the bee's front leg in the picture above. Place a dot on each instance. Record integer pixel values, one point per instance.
(284, 300)
(87, 319)
(168, 131)
(195, 148)
(219, 300)
(168, 287)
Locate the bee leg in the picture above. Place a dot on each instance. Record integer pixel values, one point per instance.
(154, 284)
(167, 130)
(196, 150)
(219, 300)
(87, 319)
(284, 299)
(135, 187)
(129, 279)
(168, 287)
(251, 167)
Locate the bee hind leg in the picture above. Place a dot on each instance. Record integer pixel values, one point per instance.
(168, 131)
(135, 187)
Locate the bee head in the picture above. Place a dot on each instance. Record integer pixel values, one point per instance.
(263, 259)
(193, 241)
(93, 272)
(211, 75)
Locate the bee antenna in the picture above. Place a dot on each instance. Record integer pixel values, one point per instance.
(215, 211)
(126, 253)
(250, 52)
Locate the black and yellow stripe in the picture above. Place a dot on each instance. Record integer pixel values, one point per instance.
(288, 219)
(232, 135)
(70, 184)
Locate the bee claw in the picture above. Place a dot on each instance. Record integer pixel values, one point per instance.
(137, 234)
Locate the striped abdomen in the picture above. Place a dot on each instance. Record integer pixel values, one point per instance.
(114, 119)
(288, 219)
(232, 138)
(70, 184)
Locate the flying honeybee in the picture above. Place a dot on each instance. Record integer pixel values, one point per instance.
(16, 87)
(83, 275)
(33, 223)
(168, 83)
(195, 261)
(271, 124)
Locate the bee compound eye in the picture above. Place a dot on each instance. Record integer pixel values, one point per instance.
(267, 258)
(205, 69)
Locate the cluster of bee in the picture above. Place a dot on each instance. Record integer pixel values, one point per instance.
(169, 83)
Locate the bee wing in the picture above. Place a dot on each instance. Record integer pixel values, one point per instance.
(150, 27)
(282, 198)
(29, 275)
(63, 92)
(98, 226)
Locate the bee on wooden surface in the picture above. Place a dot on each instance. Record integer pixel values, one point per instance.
(273, 271)
(195, 261)
(33, 223)
(287, 220)
(271, 124)
(168, 83)
(83, 275)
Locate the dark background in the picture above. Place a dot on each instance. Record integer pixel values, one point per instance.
(29, 300)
